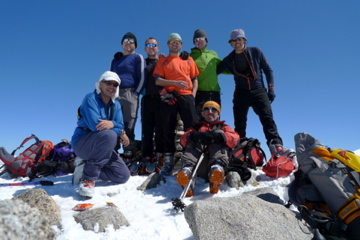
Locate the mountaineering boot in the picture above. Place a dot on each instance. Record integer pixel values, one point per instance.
(183, 178)
(134, 167)
(275, 148)
(168, 164)
(150, 165)
(216, 176)
(87, 188)
(79, 168)
(159, 161)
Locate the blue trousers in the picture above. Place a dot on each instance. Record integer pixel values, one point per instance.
(101, 161)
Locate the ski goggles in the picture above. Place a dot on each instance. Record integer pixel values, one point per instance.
(128, 40)
(210, 108)
(200, 39)
(109, 83)
(150, 45)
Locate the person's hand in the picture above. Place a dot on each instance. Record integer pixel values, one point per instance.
(118, 55)
(104, 125)
(168, 97)
(206, 138)
(218, 136)
(161, 55)
(124, 140)
(194, 136)
(271, 95)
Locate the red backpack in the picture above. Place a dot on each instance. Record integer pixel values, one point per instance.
(280, 165)
(249, 151)
(26, 162)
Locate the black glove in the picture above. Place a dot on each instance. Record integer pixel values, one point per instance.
(118, 55)
(184, 55)
(206, 138)
(168, 97)
(194, 136)
(218, 137)
(271, 95)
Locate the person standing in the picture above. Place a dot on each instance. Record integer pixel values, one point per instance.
(247, 65)
(213, 138)
(179, 79)
(130, 66)
(100, 124)
(206, 61)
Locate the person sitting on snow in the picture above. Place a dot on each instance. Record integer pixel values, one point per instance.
(213, 138)
(100, 123)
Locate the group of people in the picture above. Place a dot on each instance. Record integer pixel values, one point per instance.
(180, 84)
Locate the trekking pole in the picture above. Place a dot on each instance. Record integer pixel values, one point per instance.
(177, 202)
(42, 183)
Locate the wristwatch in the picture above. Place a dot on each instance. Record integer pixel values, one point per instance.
(122, 132)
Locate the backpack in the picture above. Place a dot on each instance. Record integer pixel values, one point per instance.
(60, 163)
(326, 188)
(25, 162)
(280, 164)
(248, 150)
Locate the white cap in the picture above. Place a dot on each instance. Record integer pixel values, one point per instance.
(108, 76)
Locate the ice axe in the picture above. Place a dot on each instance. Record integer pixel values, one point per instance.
(42, 183)
(177, 202)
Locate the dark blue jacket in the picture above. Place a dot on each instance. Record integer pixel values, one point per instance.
(258, 66)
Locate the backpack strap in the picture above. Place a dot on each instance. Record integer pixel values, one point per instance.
(25, 141)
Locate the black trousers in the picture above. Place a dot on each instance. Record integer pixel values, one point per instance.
(151, 124)
(185, 106)
(201, 98)
(259, 101)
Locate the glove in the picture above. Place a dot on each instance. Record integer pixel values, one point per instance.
(194, 136)
(184, 55)
(206, 138)
(271, 95)
(168, 97)
(118, 55)
(218, 136)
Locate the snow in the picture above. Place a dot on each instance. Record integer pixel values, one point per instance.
(150, 212)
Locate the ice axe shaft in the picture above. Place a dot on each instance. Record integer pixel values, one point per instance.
(42, 183)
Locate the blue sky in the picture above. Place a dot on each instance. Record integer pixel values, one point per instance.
(52, 53)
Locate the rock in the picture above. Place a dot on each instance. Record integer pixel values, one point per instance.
(151, 181)
(99, 218)
(21, 221)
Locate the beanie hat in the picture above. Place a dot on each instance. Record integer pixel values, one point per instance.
(174, 35)
(237, 33)
(129, 35)
(212, 104)
(198, 34)
(108, 76)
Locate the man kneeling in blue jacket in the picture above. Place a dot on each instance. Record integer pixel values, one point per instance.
(100, 124)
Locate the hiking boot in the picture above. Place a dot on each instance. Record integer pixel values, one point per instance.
(87, 188)
(183, 178)
(279, 149)
(134, 167)
(79, 168)
(168, 165)
(159, 163)
(216, 177)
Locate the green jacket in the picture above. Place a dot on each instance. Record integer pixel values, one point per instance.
(206, 61)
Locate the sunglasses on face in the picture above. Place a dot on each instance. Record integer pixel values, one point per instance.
(200, 39)
(174, 41)
(129, 40)
(150, 45)
(109, 83)
(207, 109)
(237, 39)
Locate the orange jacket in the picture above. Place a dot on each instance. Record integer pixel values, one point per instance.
(231, 136)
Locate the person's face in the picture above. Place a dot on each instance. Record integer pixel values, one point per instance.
(128, 45)
(108, 88)
(238, 43)
(210, 114)
(174, 45)
(200, 43)
(151, 47)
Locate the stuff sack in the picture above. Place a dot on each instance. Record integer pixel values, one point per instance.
(25, 162)
(60, 163)
(281, 164)
(327, 188)
(248, 150)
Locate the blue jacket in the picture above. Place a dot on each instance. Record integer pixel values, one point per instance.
(131, 70)
(91, 110)
(258, 66)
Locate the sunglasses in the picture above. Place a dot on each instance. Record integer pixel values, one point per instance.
(128, 40)
(150, 45)
(200, 39)
(237, 39)
(109, 83)
(210, 108)
(174, 41)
